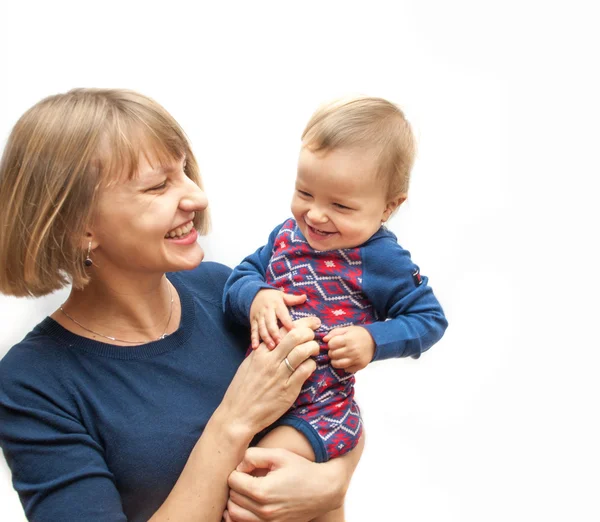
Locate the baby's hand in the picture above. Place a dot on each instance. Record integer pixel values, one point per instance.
(350, 348)
(269, 306)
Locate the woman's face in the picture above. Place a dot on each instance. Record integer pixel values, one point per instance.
(145, 224)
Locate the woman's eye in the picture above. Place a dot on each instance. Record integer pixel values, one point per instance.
(158, 187)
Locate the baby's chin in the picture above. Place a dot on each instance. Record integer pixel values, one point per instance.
(326, 244)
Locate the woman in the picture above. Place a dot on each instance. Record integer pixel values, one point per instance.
(127, 403)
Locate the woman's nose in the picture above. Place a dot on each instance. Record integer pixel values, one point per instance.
(195, 200)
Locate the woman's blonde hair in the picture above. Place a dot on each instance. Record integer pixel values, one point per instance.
(369, 123)
(59, 153)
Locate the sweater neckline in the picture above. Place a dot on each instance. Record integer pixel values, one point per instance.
(179, 337)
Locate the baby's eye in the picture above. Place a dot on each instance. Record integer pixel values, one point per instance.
(304, 194)
(341, 207)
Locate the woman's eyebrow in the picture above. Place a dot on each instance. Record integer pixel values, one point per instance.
(161, 170)
(166, 169)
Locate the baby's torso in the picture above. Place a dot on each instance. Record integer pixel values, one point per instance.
(332, 280)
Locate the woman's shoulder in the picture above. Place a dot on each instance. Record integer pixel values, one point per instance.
(37, 360)
(38, 341)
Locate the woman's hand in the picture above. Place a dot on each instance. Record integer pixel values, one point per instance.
(294, 489)
(264, 388)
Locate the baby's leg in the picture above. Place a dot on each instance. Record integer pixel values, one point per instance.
(288, 438)
(291, 439)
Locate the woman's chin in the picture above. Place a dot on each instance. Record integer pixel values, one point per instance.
(189, 261)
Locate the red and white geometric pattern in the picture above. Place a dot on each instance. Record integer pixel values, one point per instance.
(332, 281)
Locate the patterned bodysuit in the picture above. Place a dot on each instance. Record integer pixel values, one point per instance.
(375, 285)
(332, 281)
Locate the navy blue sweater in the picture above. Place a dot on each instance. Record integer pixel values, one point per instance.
(96, 432)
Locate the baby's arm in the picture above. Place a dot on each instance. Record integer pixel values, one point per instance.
(411, 318)
(252, 302)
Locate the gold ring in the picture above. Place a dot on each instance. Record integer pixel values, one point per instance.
(289, 366)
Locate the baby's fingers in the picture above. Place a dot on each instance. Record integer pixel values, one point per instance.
(264, 333)
(272, 327)
(336, 332)
(341, 363)
(339, 353)
(284, 316)
(337, 342)
(254, 336)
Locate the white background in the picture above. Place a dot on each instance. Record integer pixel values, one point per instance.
(498, 421)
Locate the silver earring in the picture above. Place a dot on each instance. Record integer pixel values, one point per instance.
(88, 260)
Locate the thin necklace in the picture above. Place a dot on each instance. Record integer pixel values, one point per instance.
(123, 340)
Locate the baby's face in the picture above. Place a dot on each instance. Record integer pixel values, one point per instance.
(338, 202)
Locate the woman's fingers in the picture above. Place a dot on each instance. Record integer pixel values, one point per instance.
(301, 373)
(301, 333)
(264, 387)
(301, 353)
(260, 458)
(244, 502)
(243, 483)
(237, 513)
(312, 322)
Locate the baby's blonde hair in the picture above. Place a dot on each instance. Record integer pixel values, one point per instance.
(58, 155)
(369, 123)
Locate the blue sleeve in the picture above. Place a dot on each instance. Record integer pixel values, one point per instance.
(58, 469)
(246, 280)
(412, 319)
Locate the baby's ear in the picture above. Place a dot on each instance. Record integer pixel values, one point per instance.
(391, 206)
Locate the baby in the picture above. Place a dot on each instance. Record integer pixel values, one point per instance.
(336, 260)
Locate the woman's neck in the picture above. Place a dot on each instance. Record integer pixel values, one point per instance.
(135, 309)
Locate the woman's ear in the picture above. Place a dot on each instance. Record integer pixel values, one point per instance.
(88, 244)
(87, 239)
(391, 206)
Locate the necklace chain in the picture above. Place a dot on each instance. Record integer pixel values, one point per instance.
(123, 340)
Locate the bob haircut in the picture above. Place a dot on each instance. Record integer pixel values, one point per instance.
(369, 123)
(57, 157)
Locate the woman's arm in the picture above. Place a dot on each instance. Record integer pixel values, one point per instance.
(294, 489)
(261, 391)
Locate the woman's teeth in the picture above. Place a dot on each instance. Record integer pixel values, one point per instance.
(180, 231)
